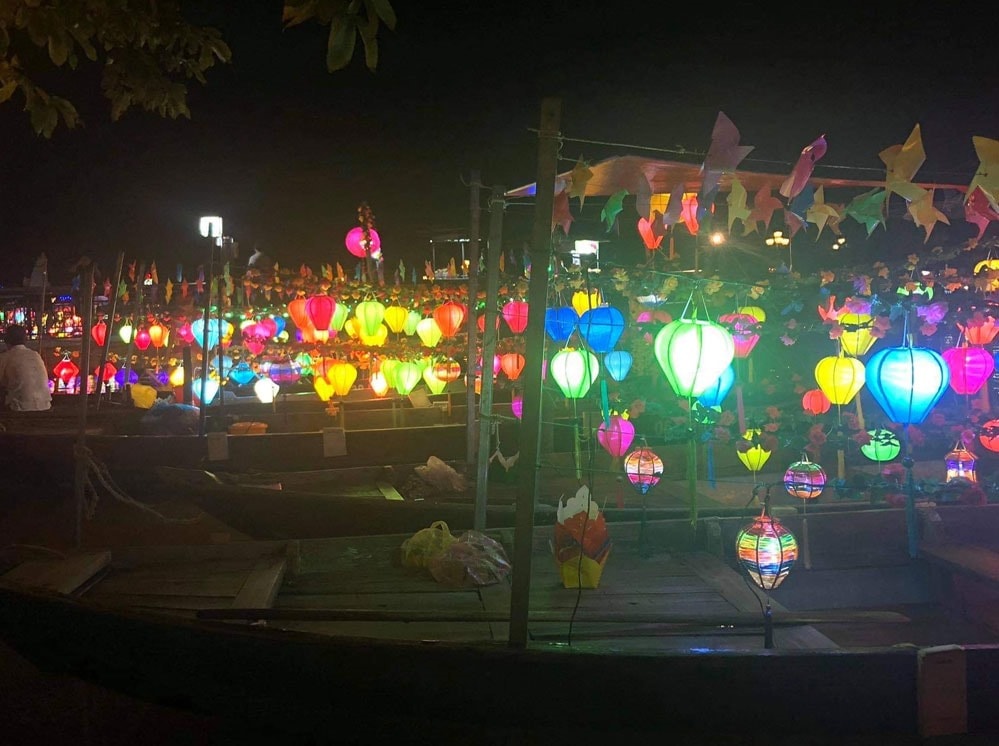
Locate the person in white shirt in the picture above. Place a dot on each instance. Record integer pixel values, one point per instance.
(24, 378)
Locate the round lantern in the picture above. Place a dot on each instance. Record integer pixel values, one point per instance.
(341, 376)
(960, 464)
(767, 550)
(99, 333)
(989, 435)
(601, 328)
(840, 378)
(395, 318)
(158, 335)
(742, 327)
(907, 382)
(756, 456)
(428, 332)
(143, 339)
(319, 309)
(447, 370)
(804, 479)
(284, 371)
(617, 437)
(66, 370)
(970, 368)
(583, 301)
(715, 394)
(369, 314)
(561, 322)
(692, 354)
(515, 315)
(449, 317)
(617, 363)
(512, 363)
(407, 375)
(574, 371)
(644, 469)
(361, 247)
(884, 445)
(815, 402)
(856, 339)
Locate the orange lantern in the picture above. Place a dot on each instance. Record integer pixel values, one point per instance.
(989, 435)
(449, 317)
(158, 335)
(980, 334)
(299, 314)
(512, 364)
(447, 370)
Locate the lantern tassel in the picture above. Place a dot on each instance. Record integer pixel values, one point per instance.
(710, 464)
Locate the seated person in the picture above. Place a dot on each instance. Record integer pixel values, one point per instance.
(24, 378)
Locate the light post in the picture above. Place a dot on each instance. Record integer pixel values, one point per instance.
(779, 241)
(210, 227)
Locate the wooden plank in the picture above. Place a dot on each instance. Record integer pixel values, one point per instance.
(60, 575)
(262, 585)
(467, 600)
(132, 556)
(388, 491)
(979, 562)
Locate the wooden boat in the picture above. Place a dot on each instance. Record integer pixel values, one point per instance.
(300, 637)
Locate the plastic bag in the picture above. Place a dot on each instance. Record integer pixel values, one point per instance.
(473, 560)
(420, 548)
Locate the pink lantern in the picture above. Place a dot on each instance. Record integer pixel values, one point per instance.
(617, 437)
(142, 339)
(515, 314)
(970, 368)
(359, 247)
(254, 338)
(267, 327)
(517, 405)
(743, 329)
(185, 333)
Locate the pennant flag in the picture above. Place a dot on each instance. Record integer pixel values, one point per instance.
(802, 170)
(613, 207)
(987, 175)
(579, 176)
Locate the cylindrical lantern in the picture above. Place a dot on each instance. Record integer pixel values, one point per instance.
(644, 469)
(961, 464)
(617, 437)
(840, 377)
(883, 446)
(742, 327)
(369, 314)
(512, 364)
(692, 354)
(766, 550)
(601, 328)
(449, 317)
(515, 315)
(989, 435)
(715, 394)
(856, 339)
(574, 371)
(561, 322)
(970, 368)
(804, 479)
(907, 382)
(815, 402)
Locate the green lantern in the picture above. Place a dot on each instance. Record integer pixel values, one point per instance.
(390, 369)
(574, 371)
(884, 445)
(435, 384)
(340, 315)
(412, 320)
(370, 314)
(693, 354)
(407, 375)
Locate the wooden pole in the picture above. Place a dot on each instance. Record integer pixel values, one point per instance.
(537, 298)
(471, 439)
(136, 311)
(110, 326)
(80, 461)
(495, 249)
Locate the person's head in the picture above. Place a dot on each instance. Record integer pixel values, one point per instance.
(15, 334)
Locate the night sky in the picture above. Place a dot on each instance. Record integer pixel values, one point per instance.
(285, 151)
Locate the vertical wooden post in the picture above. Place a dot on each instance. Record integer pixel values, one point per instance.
(495, 249)
(206, 318)
(136, 311)
(110, 327)
(470, 324)
(537, 298)
(80, 459)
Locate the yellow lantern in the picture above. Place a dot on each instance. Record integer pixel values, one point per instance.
(375, 340)
(840, 377)
(353, 327)
(856, 338)
(755, 457)
(323, 389)
(177, 376)
(428, 332)
(435, 384)
(395, 318)
(755, 311)
(583, 302)
(341, 376)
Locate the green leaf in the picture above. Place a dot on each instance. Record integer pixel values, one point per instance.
(342, 38)
(383, 9)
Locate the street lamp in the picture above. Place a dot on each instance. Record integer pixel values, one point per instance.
(779, 240)
(210, 227)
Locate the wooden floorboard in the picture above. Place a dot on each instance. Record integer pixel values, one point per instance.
(59, 575)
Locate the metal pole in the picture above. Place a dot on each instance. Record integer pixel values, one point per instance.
(110, 325)
(41, 307)
(223, 257)
(472, 327)
(537, 298)
(79, 457)
(495, 249)
(136, 315)
(207, 320)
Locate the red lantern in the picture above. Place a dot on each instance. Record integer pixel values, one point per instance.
(449, 317)
(319, 309)
(99, 332)
(481, 323)
(989, 435)
(109, 371)
(447, 370)
(142, 339)
(515, 313)
(66, 370)
(970, 368)
(512, 364)
(743, 329)
(815, 402)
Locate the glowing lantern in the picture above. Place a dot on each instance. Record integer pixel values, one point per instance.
(340, 315)
(515, 315)
(66, 370)
(407, 375)
(265, 390)
(970, 368)
(742, 327)
(755, 311)
(617, 363)
(109, 372)
(388, 368)
(560, 323)
(989, 435)
(284, 372)
(361, 247)
(319, 309)
(449, 317)
(756, 456)
(158, 335)
(856, 339)
(766, 550)
(268, 327)
(512, 364)
(574, 371)
(517, 406)
(644, 469)
(447, 370)
(804, 479)
(377, 339)
(299, 314)
(480, 322)
(601, 328)
(692, 354)
(413, 319)
(435, 384)
(961, 464)
(198, 327)
(428, 332)
(369, 314)
(253, 339)
(815, 402)
(617, 437)
(142, 339)
(715, 394)
(378, 383)
(583, 302)
(119, 377)
(980, 334)
(323, 389)
(125, 332)
(907, 382)
(241, 375)
(184, 332)
(211, 386)
(395, 318)
(840, 377)
(341, 376)
(177, 376)
(884, 445)
(352, 326)
(99, 333)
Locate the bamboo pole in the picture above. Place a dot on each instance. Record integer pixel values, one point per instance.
(80, 461)
(471, 441)
(110, 326)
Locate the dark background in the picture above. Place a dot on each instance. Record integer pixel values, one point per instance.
(285, 151)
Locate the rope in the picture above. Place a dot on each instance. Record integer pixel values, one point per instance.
(95, 469)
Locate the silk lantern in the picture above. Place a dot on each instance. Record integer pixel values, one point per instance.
(884, 445)
(340, 315)
(856, 339)
(322, 388)
(560, 323)
(66, 370)
(395, 318)
(969, 367)
(617, 363)
(907, 382)
(428, 332)
(742, 327)
(756, 456)
(284, 372)
(435, 384)
(644, 469)
(319, 309)
(815, 402)
(211, 386)
(142, 340)
(158, 335)
(692, 354)
(804, 479)
(388, 367)
(447, 370)
(341, 376)
(517, 406)
(109, 372)
(242, 374)
(616, 438)
(980, 334)
(449, 317)
(378, 383)
(299, 314)
(361, 247)
(766, 550)
(512, 363)
(715, 394)
(99, 333)
(755, 311)
(369, 315)
(125, 332)
(601, 328)
(515, 315)
(989, 435)
(413, 319)
(265, 390)
(583, 301)
(840, 377)
(574, 371)
(407, 375)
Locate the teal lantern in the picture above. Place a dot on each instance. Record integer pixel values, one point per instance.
(715, 394)
(574, 371)
(617, 363)
(693, 353)
(601, 327)
(242, 374)
(907, 382)
(561, 322)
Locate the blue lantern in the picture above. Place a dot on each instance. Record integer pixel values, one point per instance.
(560, 323)
(907, 382)
(242, 374)
(617, 363)
(279, 322)
(715, 394)
(119, 377)
(601, 327)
